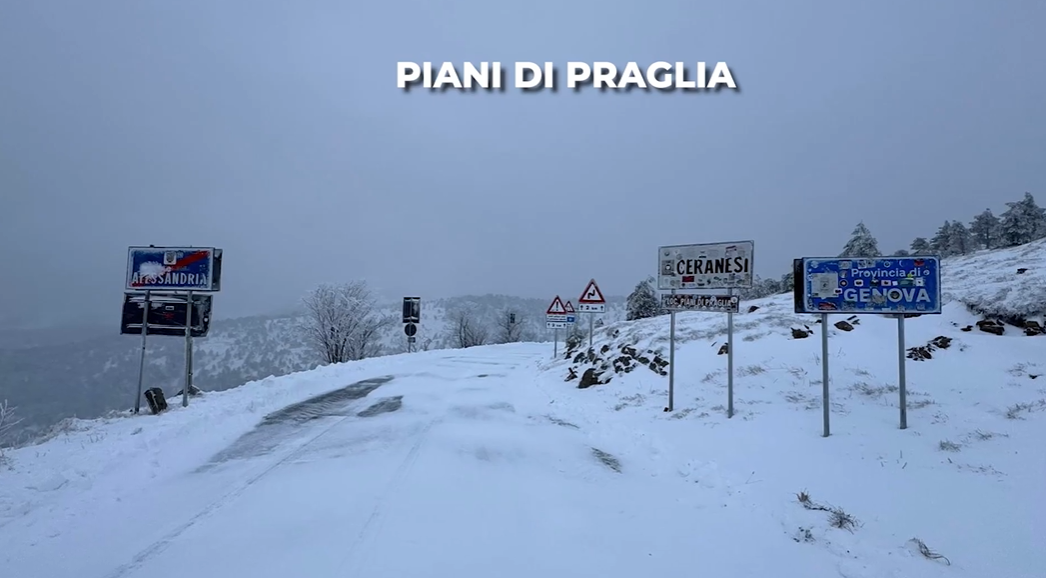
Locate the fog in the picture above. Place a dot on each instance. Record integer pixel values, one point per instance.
(275, 131)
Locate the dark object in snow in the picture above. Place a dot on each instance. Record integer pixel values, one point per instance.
(589, 378)
(753, 308)
(193, 391)
(991, 326)
(1022, 270)
(922, 353)
(724, 349)
(571, 375)
(843, 326)
(157, 402)
(1032, 328)
(800, 333)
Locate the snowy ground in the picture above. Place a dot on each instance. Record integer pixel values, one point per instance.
(485, 462)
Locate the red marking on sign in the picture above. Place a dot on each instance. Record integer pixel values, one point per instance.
(179, 264)
(556, 308)
(592, 295)
(688, 278)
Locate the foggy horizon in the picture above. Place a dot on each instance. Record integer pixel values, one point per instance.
(276, 132)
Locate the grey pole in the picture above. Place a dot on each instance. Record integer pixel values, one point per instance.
(903, 386)
(141, 362)
(555, 343)
(671, 360)
(824, 371)
(188, 349)
(730, 362)
(591, 323)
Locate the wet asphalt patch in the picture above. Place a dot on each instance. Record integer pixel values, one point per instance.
(283, 424)
(386, 405)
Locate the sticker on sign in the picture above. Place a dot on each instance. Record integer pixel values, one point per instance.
(710, 303)
(706, 266)
(882, 285)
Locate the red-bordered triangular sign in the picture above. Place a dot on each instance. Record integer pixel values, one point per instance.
(569, 307)
(557, 307)
(592, 295)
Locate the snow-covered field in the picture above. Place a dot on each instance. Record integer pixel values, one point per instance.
(485, 462)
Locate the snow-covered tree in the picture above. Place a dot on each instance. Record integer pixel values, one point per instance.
(342, 322)
(986, 230)
(861, 243)
(1022, 222)
(901, 253)
(960, 241)
(643, 302)
(920, 246)
(941, 242)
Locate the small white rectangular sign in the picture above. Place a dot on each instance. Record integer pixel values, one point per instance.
(692, 302)
(556, 325)
(591, 307)
(707, 266)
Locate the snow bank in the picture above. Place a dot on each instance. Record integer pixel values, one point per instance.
(988, 281)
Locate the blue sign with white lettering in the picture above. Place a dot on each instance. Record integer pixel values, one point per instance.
(571, 318)
(883, 285)
(173, 269)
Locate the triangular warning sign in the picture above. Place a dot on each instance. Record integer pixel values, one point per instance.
(569, 307)
(557, 307)
(592, 295)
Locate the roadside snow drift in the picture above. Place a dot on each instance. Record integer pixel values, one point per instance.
(487, 462)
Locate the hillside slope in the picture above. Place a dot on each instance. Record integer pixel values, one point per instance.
(488, 460)
(55, 376)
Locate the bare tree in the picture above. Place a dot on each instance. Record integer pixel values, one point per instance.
(342, 322)
(467, 332)
(7, 423)
(510, 327)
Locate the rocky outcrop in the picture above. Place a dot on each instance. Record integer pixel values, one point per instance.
(924, 352)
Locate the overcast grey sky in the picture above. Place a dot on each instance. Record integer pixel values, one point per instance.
(275, 131)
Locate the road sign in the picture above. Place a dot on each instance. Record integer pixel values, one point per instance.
(412, 310)
(691, 302)
(591, 295)
(569, 307)
(166, 315)
(557, 307)
(706, 266)
(874, 286)
(591, 300)
(410, 330)
(173, 269)
(556, 324)
(412, 339)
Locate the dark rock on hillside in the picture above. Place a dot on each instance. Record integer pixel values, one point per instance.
(991, 326)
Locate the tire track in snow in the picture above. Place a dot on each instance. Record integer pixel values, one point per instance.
(372, 527)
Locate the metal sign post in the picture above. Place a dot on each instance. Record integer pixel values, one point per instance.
(555, 343)
(892, 286)
(141, 362)
(902, 387)
(188, 353)
(730, 360)
(707, 266)
(672, 361)
(824, 373)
